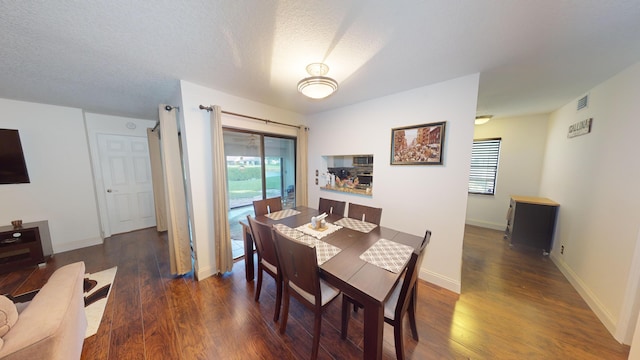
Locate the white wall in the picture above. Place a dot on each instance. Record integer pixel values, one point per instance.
(61, 189)
(112, 125)
(197, 145)
(413, 198)
(519, 170)
(594, 177)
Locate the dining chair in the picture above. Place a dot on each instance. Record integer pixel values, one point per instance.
(267, 260)
(401, 301)
(332, 206)
(267, 206)
(365, 213)
(302, 280)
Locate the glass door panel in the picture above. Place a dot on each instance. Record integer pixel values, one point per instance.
(244, 168)
(280, 169)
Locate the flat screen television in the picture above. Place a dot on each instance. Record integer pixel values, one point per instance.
(13, 168)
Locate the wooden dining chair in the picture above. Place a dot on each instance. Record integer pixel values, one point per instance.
(332, 206)
(267, 206)
(365, 213)
(267, 260)
(301, 275)
(401, 301)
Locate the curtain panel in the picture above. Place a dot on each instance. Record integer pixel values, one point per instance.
(301, 167)
(176, 203)
(222, 232)
(157, 178)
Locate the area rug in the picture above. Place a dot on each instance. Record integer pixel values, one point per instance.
(99, 288)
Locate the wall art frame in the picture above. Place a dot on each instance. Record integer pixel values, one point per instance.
(418, 144)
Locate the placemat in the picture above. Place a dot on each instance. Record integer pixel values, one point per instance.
(325, 251)
(388, 255)
(278, 215)
(357, 225)
(331, 228)
(307, 240)
(290, 232)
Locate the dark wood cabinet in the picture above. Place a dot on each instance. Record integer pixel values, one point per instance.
(23, 247)
(531, 222)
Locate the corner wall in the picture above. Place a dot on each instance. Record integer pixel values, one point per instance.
(61, 189)
(112, 125)
(413, 198)
(594, 177)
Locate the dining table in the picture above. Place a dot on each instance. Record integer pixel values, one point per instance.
(368, 284)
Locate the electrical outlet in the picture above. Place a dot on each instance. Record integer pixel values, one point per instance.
(561, 249)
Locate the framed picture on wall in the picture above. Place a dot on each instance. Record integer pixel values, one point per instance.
(418, 144)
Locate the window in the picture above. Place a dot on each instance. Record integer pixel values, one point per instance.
(484, 166)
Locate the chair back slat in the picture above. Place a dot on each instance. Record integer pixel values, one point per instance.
(299, 264)
(332, 206)
(267, 206)
(263, 237)
(365, 213)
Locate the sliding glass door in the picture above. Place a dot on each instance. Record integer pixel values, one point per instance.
(259, 166)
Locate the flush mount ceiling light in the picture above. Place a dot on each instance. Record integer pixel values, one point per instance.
(483, 119)
(317, 86)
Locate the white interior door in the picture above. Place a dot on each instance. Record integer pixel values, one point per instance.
(126, 174)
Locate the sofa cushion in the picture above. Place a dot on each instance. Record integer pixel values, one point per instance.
(8, 315)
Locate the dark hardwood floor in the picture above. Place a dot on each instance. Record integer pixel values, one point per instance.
(515, 304)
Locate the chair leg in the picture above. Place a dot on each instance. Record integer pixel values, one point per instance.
(397, 334)
(259, 284)
(345, 317)
(412, 318)
(316, 334)
(276, 315)
(285, 309)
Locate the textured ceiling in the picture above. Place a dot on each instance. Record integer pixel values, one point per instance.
(124, 57)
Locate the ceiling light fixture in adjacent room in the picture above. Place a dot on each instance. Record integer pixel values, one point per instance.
(317, 86)
(483, 119)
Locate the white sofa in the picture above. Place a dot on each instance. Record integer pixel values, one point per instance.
(52, 326)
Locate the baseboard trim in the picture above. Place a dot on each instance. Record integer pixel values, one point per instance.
(442, 281)
(73, 245)
(589, 297)
(204, 273)
(485, 224)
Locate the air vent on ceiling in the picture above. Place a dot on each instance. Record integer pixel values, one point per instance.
(583, 102)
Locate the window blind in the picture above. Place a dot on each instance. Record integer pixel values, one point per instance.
(484, 166)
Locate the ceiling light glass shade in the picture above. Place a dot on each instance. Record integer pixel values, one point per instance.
(317, 87)
(483, 119)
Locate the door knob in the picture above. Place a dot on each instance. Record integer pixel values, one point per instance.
(108, 190)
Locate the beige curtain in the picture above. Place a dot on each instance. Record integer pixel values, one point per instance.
(301, 168)
(222, 234)
(176, 203)
(157, 178)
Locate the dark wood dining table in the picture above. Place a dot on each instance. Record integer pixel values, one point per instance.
(368, 284)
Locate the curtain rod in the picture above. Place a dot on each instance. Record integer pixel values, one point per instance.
(210, 108)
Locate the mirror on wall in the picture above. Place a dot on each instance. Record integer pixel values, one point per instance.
(349, 173)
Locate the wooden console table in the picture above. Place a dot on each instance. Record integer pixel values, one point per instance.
(26, 246)
(531, 221)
